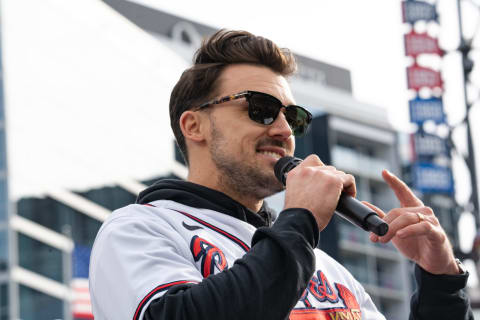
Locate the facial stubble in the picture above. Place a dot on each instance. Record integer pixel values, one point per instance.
(245, 178)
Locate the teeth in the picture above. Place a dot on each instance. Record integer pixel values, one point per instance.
(272, 154)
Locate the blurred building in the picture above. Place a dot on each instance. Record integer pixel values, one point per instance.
(4, 230)
(87, 112)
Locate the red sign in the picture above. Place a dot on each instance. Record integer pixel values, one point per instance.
(418, 43)
(419, 77)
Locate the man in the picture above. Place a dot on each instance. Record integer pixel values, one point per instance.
(205, 248)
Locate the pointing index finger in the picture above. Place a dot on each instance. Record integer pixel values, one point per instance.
(403, 193)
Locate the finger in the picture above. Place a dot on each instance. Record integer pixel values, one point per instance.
(402, 221)
(312, 161)
(425, 228)
(406, 196)
(375, 208)
(349, 186)
(331, 168)
(424, 213)
(348, 180)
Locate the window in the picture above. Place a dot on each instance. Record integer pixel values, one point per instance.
(60, 218)
(47, 212)
(2, 113)
(40, 258)
(3, 199)
(37, 305)
(84, 229)
(3, 149)
(3, 250)
(109, 197)
(3, 301)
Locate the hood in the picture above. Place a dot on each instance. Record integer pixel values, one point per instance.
(198, 196)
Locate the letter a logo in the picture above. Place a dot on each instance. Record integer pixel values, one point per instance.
(209, 255)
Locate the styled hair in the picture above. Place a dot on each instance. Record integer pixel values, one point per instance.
(198, 84)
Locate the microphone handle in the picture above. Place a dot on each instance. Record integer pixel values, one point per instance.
(360, 215)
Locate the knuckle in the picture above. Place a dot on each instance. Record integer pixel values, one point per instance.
(396, 212)
(293, 173)
(328, 177)
(314, 159)
(442, 237)
(428, 210)
(304, 172)
(428, 226)
(333, 180)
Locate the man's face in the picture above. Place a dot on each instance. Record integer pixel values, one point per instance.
(245, 151)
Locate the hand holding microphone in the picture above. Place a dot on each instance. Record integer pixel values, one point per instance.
(324, 190)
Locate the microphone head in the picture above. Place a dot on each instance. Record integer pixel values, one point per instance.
(283, 166)
(376, 225)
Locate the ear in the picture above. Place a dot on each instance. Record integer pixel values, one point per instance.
(193, 126)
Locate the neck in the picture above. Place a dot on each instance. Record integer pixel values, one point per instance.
(214, 181)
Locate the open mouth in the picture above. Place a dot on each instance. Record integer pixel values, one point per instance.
(272, 153)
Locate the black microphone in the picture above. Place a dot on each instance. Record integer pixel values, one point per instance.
(348, 207)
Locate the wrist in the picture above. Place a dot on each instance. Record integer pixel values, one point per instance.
(454, 268)
(460, 267)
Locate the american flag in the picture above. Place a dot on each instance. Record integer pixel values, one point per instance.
(81, 305)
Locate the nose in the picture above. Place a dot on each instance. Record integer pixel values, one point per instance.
(280, 127)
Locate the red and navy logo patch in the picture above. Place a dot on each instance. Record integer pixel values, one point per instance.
(322, 301)
(212, 260)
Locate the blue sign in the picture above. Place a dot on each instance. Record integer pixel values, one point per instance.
(431, 178)
(81, 260)
(428, 145)
(422, 110)
(414, 11)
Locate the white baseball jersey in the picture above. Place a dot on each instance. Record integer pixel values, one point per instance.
(143, 250)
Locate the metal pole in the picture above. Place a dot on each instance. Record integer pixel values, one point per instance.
(467, 66)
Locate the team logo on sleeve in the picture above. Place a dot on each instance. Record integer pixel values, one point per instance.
(212, 260)
(322, 301)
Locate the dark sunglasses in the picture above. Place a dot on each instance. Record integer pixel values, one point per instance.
(264, 109)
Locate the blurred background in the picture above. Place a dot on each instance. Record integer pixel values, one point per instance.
(84, 125)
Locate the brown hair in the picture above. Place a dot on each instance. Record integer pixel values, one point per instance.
(198, 83)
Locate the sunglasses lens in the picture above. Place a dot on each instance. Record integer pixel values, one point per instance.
(298, 119)
(263, 108)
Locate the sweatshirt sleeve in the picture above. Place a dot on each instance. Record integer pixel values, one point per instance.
(440, 297)
(265, 283)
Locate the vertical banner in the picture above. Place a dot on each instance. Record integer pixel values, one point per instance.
(422, 110)
(428, 177)
(414, 11)
(420, 43)
(431, 178)
(421, 77)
